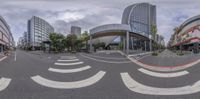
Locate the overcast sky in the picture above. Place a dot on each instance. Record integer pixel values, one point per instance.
(90, 13)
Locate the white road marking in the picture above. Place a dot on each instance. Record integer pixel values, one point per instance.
(77, 63)
(106, 57)
(71, 60)
(105, 61)
(4, 82)
(135, 86)
(69, 85)
(164, 75)
(69, 70)
(140, 54)
(3, 58)
(67, 57)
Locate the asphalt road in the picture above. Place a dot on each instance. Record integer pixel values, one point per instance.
(109, 86)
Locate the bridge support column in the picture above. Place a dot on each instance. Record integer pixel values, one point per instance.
(124, 43)
(127, 42)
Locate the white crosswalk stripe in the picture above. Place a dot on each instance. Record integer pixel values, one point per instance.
(163, 75)
(62, 60)
(135, 86)
(66, 64)
(69, 85)
(69, 70)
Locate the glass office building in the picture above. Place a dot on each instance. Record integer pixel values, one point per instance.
(38, 31)
(141, 17)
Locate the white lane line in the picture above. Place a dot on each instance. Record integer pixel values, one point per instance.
(69, 70)
(67, 57)
(135, 86)
(71, 60)
(4, 82)
(77, 63)
(122, 62)
(163, 75)
(3, 58)
(105, 57)
(69, 85)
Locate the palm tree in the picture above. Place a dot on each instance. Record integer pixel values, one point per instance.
(154, 32)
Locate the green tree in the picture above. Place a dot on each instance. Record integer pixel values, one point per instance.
(71, 40)
(84, 38)
(57, 42)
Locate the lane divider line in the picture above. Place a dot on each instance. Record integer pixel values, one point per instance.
(63, 64)
(114, 58)
(105, 61)
(61, 60)
(69, 85)
(67, 57)
(163, 75)
(137, 87)
(69, 70)
(4, 82)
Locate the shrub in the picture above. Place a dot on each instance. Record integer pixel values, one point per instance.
(154, 54)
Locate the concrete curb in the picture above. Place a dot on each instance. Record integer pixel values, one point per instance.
(165, 68)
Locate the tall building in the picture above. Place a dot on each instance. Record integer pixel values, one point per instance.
(6, 38)
(141, 17)
(138, 23)
(38, 31)
(76, 30)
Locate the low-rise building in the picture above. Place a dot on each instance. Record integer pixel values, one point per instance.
(187, 35)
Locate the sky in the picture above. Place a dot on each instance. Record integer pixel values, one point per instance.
(62, 14)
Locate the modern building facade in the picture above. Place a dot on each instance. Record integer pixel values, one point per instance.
(141, 17)
(135, 29)
(38, 31)
(187, 35)
(76, 30)
(6, 38)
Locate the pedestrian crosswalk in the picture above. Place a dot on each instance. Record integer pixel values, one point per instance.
(4, 82)
(69, 61)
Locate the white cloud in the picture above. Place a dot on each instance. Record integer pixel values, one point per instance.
(90, 13)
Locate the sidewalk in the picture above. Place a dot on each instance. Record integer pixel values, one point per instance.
(168, 58)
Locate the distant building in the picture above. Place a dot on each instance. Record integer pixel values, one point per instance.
(6, 38)
(76, 30)
(38, 31)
